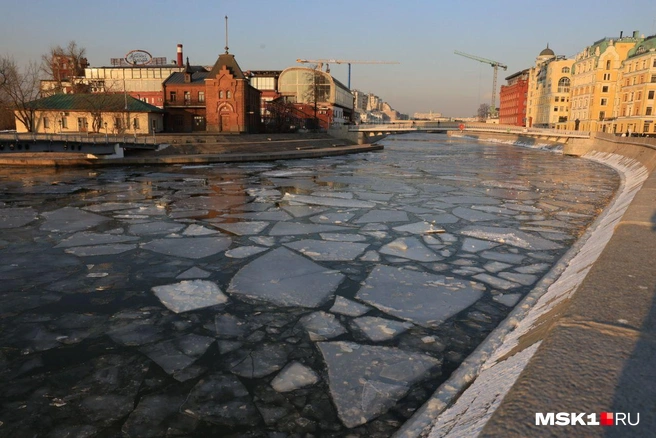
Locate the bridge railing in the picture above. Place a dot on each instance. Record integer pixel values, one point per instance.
(469, 126)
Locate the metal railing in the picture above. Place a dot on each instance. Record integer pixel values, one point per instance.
(88, 138)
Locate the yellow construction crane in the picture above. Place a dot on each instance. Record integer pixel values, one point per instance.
(495, 65)
(321, 62)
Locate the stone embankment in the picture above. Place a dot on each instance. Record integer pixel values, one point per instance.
(200, 149)
(583, 341)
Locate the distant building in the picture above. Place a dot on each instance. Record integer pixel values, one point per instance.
(360, 100)
(596, 85)
(184, 101)
(636, 108)
(307, 88)
(427, 116)
(232, 104)
(549, 91)
(513, 99)
(92, 113)
(267, 82)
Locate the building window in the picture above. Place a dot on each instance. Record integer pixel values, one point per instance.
(118, 123)
(563, 85)
(648, 111)
(604, 102)
(135, 123)
(602, 115)
(555, 109)
(64, 123)
(201, 96)
(606, 76)
(645, 127)
(608, 65)
(604, 89)
(653, 79)
(172, 96)
(221, 94)
(228, 94)
(187, 96)
(650, 95)
(46, 123)
(565, 70)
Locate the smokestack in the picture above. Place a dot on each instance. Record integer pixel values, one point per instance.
(621, 33)
(179, 54)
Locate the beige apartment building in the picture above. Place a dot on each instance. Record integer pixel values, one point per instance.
(549, 91)
(637, 98)
(596, 83)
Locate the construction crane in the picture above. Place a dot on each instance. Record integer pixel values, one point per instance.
(321, 62)
(495, 65)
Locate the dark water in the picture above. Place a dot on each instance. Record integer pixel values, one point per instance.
(275, 250)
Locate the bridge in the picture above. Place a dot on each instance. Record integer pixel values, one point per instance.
(468, 127)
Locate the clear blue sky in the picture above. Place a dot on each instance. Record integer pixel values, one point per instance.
(265, 34)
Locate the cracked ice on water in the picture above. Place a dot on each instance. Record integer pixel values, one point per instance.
(304, 297)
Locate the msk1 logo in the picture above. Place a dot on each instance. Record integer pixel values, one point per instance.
(583, 419)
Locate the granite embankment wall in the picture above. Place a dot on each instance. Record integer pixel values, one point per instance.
(583, 340)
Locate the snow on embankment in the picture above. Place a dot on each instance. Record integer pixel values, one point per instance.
(490, 371)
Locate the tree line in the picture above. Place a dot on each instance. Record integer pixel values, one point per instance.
(21, 85)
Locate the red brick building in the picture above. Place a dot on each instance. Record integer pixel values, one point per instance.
(512, 109)
(184, 100)
(232, 104)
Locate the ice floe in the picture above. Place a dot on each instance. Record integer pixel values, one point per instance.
(190, 295)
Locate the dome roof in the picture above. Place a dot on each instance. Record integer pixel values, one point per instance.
(547, 52)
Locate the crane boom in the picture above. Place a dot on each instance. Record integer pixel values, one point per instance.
(496, 65)
(321, 62)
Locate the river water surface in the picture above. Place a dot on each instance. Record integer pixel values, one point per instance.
(322, 297)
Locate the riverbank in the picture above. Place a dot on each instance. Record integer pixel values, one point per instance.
(582, 342)
(200, 149)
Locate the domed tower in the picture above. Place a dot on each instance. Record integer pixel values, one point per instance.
(546, 54)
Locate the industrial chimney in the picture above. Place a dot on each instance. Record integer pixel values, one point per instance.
(179, 54)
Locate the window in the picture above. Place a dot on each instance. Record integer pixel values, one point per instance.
(221, 94)
(563, 85)
(654, 63)
(604, 89)
(135, 123)
(118, 123)
(645, 127)
(650, 95)
(606, 76)
(173, 96)
(557, 99)
(565, 70)
(64, 123)
(604, 102)
(201, 96)
(608, 65)
(602, 115)
(648, 111)
(187, 96)
(228, 94)
(555, 109)
(46, 123)
(653, 79)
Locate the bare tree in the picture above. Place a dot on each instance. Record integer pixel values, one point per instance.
(63, 64)
(483, 111)
(19, 87)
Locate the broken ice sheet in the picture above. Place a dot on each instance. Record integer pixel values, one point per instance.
(221, 399)
(243, 252)
(366, 381)
(294, 376)
(328, 202)
(90, 251)
(419, 297)
(293, 228)
(198, 230)
(285, 279)
(243, 228)
(382, 216)
(322, 326)
(262, 361)
(332, 218)
(159, 227)
(70, 219)
(193, 272)
(176, 354)
(410, 248)
(496, 282)
(345, 306)
(420, 228)
(189, 247)
(190, 295)
(342, 237)
(476, 245)
(88, 238)
(510, 236)
(17, 217)
(380, 329)
(328, 250)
